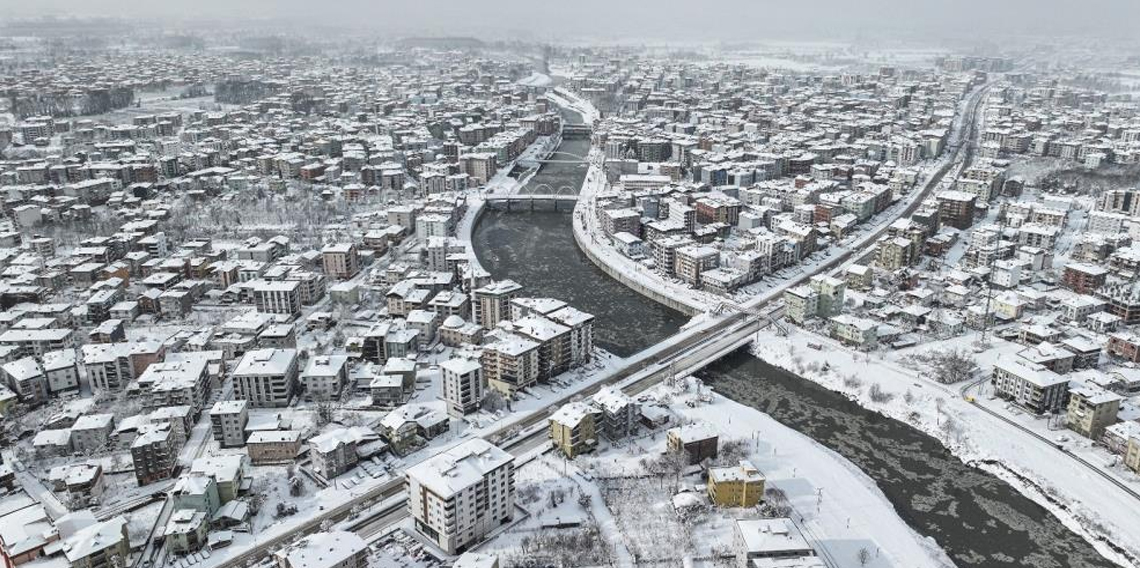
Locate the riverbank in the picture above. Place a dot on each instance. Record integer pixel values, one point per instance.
(619, 267)
(1087, 504)
(500, 184)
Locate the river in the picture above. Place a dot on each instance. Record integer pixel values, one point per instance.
(977, 518)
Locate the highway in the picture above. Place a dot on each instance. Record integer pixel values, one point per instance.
(688, 350)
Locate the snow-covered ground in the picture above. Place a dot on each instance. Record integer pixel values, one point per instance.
(612, 493)
(270, 481)
(1084, 501)
(535, 79)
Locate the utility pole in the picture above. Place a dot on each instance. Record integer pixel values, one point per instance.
(990, 281)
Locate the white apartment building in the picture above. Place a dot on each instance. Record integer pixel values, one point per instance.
(108, 365)
(341, 261)
(335, 549)
(184, 380)
(267, 377)
(493, 302)
(459, 496)
(228, 419)
(278, 297)
(324, 377)
(1030, 385)
(801, 304)
(61, 370)
(463, 386)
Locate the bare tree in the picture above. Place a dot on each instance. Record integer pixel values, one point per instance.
(863, 556)
(949, 366)
(879, 395)
(776, 504)
(325, 412)
(493, 401)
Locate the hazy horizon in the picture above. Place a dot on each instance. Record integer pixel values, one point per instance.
(715, 20)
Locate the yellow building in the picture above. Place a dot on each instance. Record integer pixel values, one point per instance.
(573, 429)
(736, 486)
(1132, 454)
(1091, 410)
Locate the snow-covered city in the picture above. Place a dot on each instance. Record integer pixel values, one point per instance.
(489, 284)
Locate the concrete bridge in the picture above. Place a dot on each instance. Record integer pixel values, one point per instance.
(532, 201)
(576, 131)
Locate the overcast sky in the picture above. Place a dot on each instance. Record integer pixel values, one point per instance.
(690, 19)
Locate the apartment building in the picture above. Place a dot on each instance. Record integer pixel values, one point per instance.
(801, 303)
(893, 253)
(857, 332)
(1030, 385)
(91, 432)
(493, 302)
(267, 377)
(698, 441)
(1124, 345)
(1091, 410)
(459, 496)
(739, 485)
(463, 386)
(108, 365)
(831, 292)
(573, 428)
(581, 326)
(691, 261)
(333, 549)
(273, 447)
(1083, 278)
(36, 342)
(102, 544)
(619, 413)
(324, 377)
(228, 419)
(184, 381)
(1123, 301)
(278, 297)
(956, 208)
(154, 453)
(337, 451)
(772, 543)
(61, 370)
(510, 363)
(554, 349)
(341, 261)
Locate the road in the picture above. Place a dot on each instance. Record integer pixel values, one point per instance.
(966, 145)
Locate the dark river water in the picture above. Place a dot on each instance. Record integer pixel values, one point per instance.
(977, 518)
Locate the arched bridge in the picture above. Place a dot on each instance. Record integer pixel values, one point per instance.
(548, 199)
(576, 131)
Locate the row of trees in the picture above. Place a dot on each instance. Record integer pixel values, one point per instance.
(67, 104)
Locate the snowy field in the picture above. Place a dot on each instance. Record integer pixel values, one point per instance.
(621, 493)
